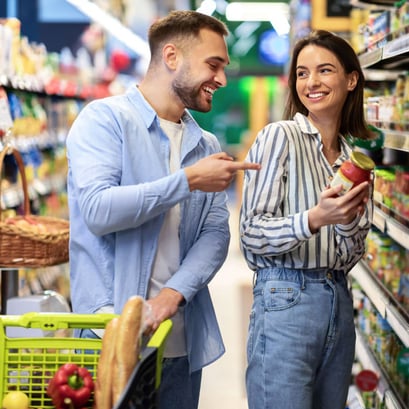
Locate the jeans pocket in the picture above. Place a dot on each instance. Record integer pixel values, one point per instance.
(279, 295)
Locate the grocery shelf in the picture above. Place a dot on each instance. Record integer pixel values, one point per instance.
(368, 361)
(381, 75)
(398, 322)
(365, 279)
(391, 400)
(398, 46)
(30, 83)
(395, 230)
(12, 196)
(391, 54)
(384, 61)
(396, 140)
(382, 300)
(370, 58)
(376, 4)
(354, 398)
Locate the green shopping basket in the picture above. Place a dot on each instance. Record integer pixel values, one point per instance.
(28, 363)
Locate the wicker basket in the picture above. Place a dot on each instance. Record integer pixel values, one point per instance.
(28, 247)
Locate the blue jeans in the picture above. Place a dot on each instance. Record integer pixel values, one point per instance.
(179, 389)
(301, 340)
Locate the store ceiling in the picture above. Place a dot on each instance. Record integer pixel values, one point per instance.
(254, 41)
(120, 8)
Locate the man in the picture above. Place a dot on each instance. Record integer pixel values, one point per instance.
(147, 203)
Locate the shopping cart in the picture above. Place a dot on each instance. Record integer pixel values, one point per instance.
(28, 363)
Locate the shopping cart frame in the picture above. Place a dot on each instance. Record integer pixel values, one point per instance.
(28, 363)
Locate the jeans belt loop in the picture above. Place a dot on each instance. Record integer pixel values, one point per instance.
(302, 280)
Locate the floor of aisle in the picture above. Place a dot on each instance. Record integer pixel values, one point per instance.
(223, 381)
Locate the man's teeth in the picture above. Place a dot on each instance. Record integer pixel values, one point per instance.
(209, 90)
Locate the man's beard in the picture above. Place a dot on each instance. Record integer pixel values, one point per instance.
(190, 96)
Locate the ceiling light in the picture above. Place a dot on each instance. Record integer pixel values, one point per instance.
(281, 25)
(276, 13)
(207, 7)
(113, 26)
(256, 11)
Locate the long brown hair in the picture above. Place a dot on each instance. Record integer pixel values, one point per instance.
(352, 116)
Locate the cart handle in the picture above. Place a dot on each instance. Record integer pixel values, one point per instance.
(158, 340)
(54, 321)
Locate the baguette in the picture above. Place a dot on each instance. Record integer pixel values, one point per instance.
(127, 344)
(104, 380)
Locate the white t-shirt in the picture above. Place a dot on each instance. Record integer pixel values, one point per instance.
(167, 260)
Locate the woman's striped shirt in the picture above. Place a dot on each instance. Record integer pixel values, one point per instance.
(274, 228)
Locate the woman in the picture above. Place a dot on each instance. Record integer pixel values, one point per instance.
(301, 237)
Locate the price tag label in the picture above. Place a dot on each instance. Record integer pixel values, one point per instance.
(398, 232)
(397, 46)
(6, 121)
(379, 219)
(11, 197)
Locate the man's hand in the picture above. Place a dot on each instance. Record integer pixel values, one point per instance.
(163, 306)
(214, 173)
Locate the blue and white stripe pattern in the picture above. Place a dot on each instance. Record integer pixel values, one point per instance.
(274, 228)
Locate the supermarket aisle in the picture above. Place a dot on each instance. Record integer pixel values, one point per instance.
(223, 381)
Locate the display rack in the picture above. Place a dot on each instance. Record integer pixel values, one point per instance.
(354, 398)
(373, 3)
(393, 54)
(368, 361)
(12, 196)
(390, 226)
(383, 301)
(385, 61)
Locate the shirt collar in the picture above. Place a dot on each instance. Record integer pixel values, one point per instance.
(305, 125)
(308, 128)
(148, 114)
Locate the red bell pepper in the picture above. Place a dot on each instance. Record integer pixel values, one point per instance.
(71, 387)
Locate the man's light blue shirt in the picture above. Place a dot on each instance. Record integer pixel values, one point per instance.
(120, 188)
